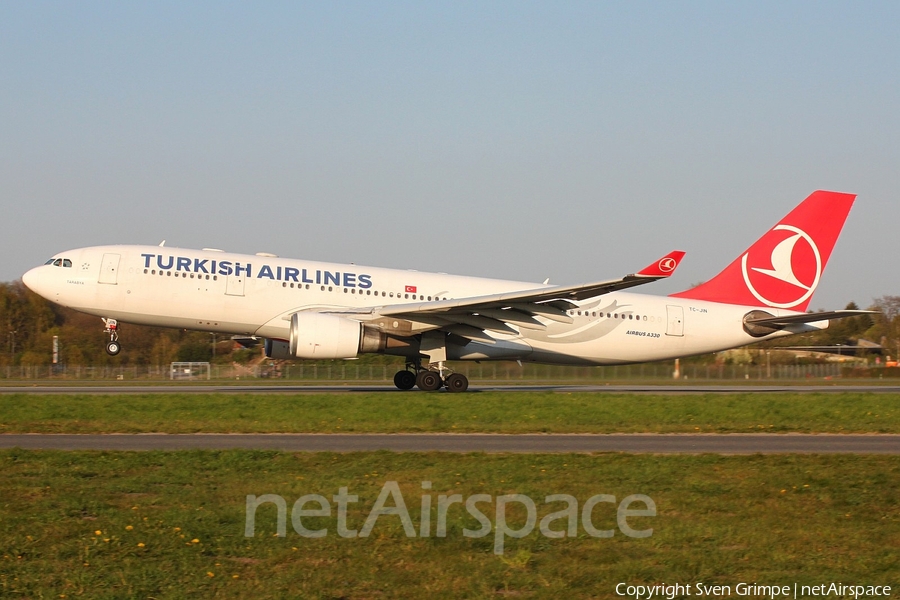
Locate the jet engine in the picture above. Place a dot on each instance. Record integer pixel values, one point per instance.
(322, 336)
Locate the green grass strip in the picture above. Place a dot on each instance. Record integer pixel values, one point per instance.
(171, 524)
(500, 412)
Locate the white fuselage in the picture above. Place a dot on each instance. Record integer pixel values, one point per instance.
(256, 295)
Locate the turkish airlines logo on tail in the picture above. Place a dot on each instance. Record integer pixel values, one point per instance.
(667, 265)
(783, 268)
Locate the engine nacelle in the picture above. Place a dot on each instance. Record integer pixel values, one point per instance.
(278, 349)
(320, 336)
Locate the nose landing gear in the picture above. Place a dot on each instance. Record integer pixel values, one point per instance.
(112, 328)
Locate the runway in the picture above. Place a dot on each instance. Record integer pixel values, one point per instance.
(735, 443)
(560, 388)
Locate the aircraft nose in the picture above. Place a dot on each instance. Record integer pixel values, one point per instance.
(32, 279)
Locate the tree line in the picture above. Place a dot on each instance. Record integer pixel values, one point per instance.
(28, 323)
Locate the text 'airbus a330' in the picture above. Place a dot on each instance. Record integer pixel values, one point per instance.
(312, 310)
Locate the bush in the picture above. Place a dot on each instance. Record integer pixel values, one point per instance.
(870, 373)
(194, 351)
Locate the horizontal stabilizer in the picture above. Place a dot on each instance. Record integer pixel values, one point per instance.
(808, 317)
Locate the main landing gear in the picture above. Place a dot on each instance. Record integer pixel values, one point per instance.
(427, 380)
(112, 328)
(405, 380)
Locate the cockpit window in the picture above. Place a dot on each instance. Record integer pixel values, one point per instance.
(67, 263)
(57, 262)
(49, 262)
(60, 262)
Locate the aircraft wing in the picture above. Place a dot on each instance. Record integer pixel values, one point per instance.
(470, 317)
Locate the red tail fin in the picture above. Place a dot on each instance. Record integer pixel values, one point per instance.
(783, 267)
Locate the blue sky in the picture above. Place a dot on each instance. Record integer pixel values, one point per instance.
(576, 141)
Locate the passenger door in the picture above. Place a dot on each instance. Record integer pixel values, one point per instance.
(675, 325)
(234, 285)
(109, 269)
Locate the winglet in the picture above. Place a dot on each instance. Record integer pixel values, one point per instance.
(663, 267)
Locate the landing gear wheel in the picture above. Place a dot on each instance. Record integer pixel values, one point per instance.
(112, 329)
(428, 381)
(457, 383)
(404, 380)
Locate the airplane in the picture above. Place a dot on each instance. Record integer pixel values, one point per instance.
(314, 310)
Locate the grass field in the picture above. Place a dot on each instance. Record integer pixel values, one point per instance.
(501, 412)
(171, 525)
